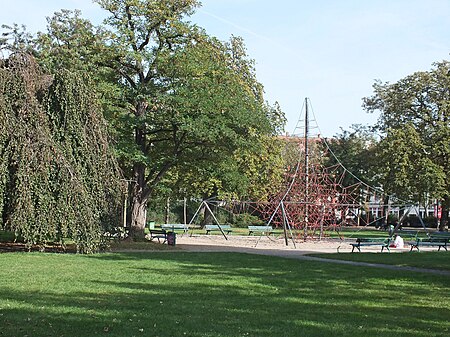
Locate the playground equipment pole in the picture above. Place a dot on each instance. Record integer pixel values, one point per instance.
(306, 167)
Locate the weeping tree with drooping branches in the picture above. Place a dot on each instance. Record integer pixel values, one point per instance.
(58, 177)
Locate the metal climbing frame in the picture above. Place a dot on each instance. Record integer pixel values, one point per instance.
(315, 198)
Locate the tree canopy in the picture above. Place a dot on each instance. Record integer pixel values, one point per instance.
(415, 127)
(355, 149)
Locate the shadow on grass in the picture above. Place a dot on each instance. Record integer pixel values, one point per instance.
(217, 294)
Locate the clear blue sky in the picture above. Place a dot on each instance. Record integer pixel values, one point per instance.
(327, 50)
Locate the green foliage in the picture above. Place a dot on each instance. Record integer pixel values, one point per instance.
(263, 168)
(392, 219)
(207, 117)
(415, 144)
(15, 38)
(355, 150)
(245, 219)
(430, 221)
(414, 221)
(409, 171)
(58, 178)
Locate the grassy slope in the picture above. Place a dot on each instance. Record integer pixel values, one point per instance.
(189, 294)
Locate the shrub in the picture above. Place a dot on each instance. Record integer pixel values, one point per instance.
(245, 219)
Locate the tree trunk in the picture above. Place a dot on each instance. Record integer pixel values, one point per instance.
(208, 218)
(138, 218)
(139, 197)
(385, 210)
(167, 211)
(138, 204)
(444, 213)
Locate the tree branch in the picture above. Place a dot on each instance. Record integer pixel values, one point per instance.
(130, 24)
(151, 183)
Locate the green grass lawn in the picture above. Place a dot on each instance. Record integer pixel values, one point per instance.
(214, 294)
(430, 260)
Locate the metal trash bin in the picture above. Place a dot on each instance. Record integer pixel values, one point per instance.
(171, 238)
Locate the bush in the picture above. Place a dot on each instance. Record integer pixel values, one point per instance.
(245, 219)
(392, 219)
(414, 221)
(430, 221)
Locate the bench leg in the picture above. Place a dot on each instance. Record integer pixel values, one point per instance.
(414, 246)
(357, 247)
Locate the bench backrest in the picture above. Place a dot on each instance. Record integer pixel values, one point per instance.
(408, 234)
(260, 228)
(445, 235)
(214, 227)
(440, 237)
(158, 231)
(374, 240)
(174, 226)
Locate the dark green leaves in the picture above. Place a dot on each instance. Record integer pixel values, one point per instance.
(415, 128)
(58, 179)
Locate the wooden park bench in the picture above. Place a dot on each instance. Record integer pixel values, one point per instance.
(173, 227)
(438, 239)
(260, 229)
(158, 234)
(215, 228)
(364, 242)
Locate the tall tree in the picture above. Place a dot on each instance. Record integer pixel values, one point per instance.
(415, 128)
(175, 95)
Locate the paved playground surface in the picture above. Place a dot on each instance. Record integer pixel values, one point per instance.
(266, 244)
